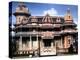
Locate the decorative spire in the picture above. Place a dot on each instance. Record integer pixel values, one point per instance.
(22, 4)
(68, 17)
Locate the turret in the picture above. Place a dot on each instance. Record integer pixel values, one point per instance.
(22, 13)
(68, 17)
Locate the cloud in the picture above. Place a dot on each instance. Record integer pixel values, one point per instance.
(75, 20)
(52, 12)
(12, 26)
(13, 33)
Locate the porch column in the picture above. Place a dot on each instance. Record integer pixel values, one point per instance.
(37, 41)
(52, 44)
(61, 43)
(20, 43)
(30, 43)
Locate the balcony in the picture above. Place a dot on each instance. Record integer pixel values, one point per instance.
(50, 34)
(69, 31)
(49, 25)
(27, 33)
(69, 24)
(41, 33)
(56, 25)
(32, 25)
(40, 25)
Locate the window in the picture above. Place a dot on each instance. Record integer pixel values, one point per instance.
(69, 39)
(69, 17)
(34, 41)
(24, 41)
(19, 19)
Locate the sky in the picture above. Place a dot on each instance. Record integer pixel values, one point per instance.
(40, 9)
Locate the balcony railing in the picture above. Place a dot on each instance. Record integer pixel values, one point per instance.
(69, 31)
(27, 33)
(41, 33)
(40, 25)
(49, 25)
(49, 33)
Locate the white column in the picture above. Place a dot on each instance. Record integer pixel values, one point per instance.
(52, 44)
(61, 43)
(37, 41)
(30, 43)
(20, 43)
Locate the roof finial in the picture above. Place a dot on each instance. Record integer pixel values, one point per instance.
(22, 4)
(47, 14)
(68, 10)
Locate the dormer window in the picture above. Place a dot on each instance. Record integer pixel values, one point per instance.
(58, 20)
(34, 20)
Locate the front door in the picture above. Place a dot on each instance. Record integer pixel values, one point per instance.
(47, 47)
